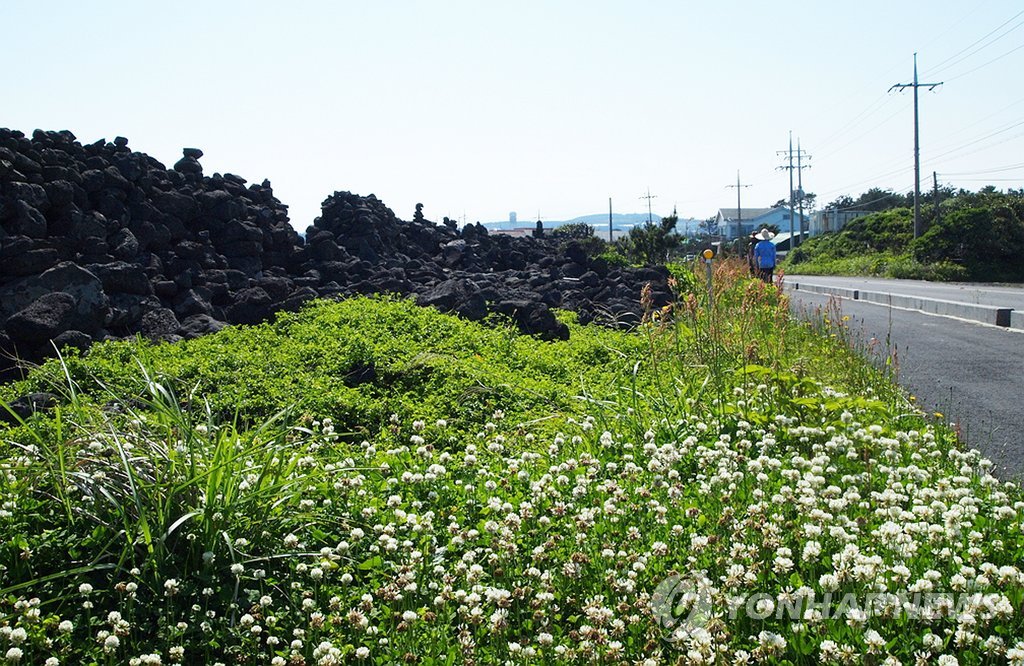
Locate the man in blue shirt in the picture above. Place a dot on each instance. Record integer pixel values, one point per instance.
(764, 254)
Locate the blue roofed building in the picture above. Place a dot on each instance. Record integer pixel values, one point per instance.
(732, 223)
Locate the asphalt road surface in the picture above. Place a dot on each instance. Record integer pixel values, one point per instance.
(1002, 295)
(972, 373)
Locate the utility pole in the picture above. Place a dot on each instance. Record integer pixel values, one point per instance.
(739, 209)
(790, 167)
(800, 186)
(935, 194)
(917, 145)
(609, 219)
(788, 154)
(649, 197)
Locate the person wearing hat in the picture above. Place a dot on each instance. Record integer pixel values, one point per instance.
(764, 254)
(751, 264)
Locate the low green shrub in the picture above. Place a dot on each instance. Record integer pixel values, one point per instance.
(360, 360)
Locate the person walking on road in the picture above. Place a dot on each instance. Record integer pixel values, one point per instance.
(764, 254)
(751, 242)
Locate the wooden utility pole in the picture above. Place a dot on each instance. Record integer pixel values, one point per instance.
(739, 208)
(917, 145)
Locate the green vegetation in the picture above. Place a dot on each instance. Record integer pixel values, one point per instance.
(582, 234)
(979, 237)
(370, 482)
(359, 361)
(645, 245)
(650, 243)
(985, 236)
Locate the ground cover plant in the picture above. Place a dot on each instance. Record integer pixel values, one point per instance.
(723, 485)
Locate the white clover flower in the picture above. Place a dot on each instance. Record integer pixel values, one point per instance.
(111, 643)
(14, 655)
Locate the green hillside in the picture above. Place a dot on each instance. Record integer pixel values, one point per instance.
(979, 237)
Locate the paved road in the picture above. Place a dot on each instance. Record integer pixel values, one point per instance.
(971, 372)
(1001, 295)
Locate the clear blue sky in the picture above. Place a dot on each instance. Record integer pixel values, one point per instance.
(481, 108)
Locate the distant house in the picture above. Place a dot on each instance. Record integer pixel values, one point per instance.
(730, 223)
(520, 232)
(829, 221)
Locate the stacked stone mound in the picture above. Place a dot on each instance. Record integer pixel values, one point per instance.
(358, 246)
(98, 242)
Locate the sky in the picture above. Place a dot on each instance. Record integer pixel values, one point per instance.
(476, 109)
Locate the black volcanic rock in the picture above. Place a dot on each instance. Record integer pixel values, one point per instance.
(457, 295)
(101, 241)
(43, 319)
(24, 406)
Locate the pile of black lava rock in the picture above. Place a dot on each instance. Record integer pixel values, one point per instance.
(98, 241)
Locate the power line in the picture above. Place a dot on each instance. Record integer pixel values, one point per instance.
(955, 58)
(977, 150)
(874, 178)
(978, 140)
(964, 128)
(1010, 167)
(986, 64)
(974, 10)
(870, 110)
(875, 106)
(987, 180)
(866, 132)
(950, 148)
